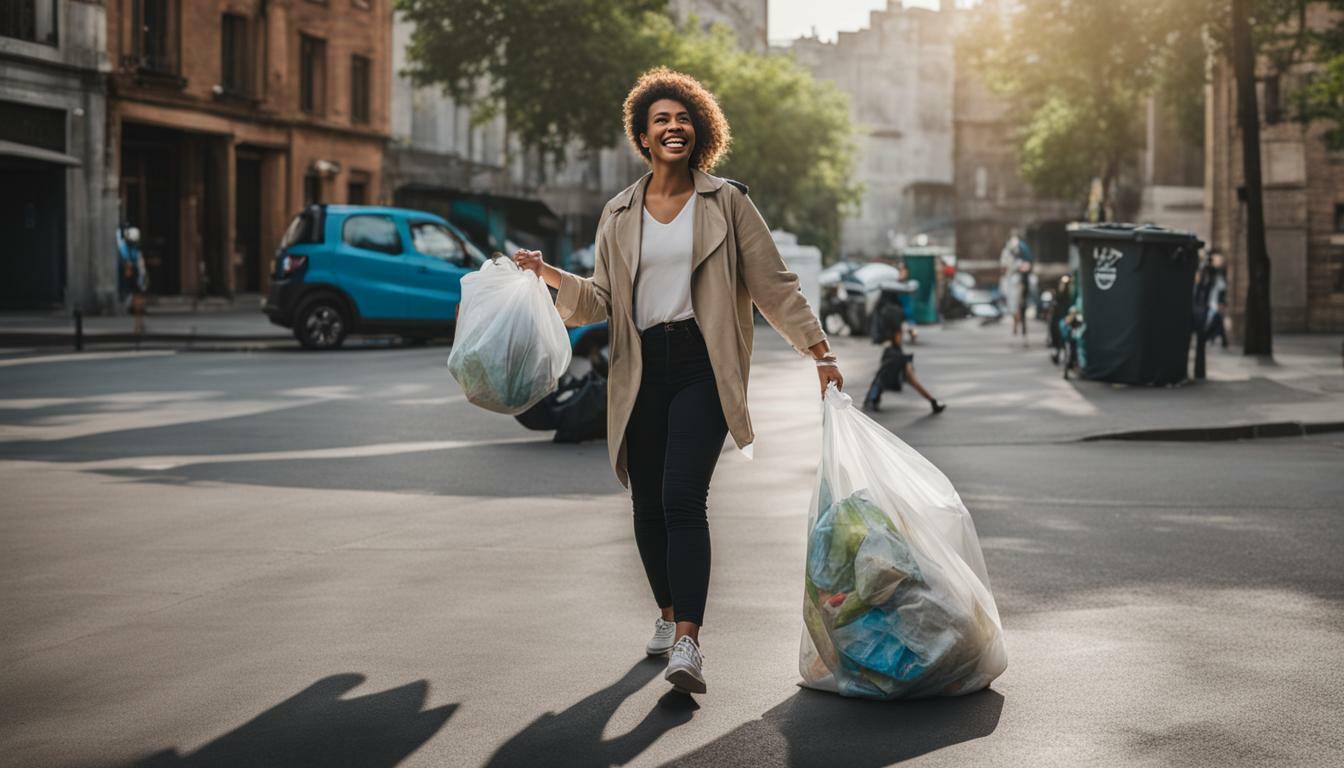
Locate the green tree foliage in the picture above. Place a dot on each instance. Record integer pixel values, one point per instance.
(1322, 94)
(792, 137)
(556, 69)
(1074, 74)
(559, 70)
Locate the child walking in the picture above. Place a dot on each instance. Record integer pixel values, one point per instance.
(896, 367)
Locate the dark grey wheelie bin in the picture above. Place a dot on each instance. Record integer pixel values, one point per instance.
(1136, 285)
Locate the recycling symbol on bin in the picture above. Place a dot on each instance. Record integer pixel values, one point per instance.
(1105, 273)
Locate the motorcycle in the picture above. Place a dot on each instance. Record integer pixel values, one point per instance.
(965, 299)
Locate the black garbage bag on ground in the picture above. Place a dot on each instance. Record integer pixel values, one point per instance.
(582, 414)
(577, 410)
(543, 417)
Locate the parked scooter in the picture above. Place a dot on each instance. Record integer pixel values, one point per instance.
(965, 299)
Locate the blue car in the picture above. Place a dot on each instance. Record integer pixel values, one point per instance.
(344, 269)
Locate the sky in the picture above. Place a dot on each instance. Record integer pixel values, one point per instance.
(796, 18)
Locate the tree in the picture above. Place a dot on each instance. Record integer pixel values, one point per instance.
(792, 137)
(559, 70)
(1075, 76)
(1322, 95)
(1258, 337)
(556, 69)
(1076, 72)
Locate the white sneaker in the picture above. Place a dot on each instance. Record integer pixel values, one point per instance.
(685, 667)
(664, 632)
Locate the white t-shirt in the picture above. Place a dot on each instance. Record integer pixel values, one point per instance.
(663, 282)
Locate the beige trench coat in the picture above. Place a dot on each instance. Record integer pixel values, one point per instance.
(735, 264)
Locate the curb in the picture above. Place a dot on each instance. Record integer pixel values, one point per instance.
(1219, 434)
(68, 340)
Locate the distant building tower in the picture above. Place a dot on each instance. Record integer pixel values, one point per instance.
(899, 73)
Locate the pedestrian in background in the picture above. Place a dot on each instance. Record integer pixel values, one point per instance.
(1015, 262)
(681, 257)
(132, 277)
(1217, 321)
(1060, 304)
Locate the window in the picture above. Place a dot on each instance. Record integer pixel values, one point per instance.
(435, 240)
(373, 233)
(1339, 217)
(235, 55)
(357, 189)
(357, 193)
(305, 228)
(154, 25)
(359, 89)
(312, 188)
(31, 20)
(32, 125)
(312, 74)
(1273, 95)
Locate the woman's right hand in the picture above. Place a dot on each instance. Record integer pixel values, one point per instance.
(532, 260)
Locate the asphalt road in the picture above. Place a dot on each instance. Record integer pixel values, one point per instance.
(282, 558)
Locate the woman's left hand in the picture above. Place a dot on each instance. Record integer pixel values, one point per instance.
(829, 374)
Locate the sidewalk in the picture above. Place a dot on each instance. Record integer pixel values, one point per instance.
(999, 393)
(172, 324)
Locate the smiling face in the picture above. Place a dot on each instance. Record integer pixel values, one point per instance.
(671, 135)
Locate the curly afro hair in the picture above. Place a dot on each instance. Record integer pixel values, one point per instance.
(712, 135)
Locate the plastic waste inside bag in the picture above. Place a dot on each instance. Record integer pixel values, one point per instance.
(897, 601)
(510, 346)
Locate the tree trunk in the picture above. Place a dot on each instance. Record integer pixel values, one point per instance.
(1257, 333)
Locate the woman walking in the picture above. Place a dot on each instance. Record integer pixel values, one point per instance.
(681, 257)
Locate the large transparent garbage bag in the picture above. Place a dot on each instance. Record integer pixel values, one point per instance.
(510, 346)
(897, 600)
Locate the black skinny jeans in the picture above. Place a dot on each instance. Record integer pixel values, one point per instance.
(672, 444)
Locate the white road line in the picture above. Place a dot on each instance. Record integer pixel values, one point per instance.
(81, 356)
(161, 463)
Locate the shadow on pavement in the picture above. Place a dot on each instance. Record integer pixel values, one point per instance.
(574, 736)
(818, 730)
(317, 727)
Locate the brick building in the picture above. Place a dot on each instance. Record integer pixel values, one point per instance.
(1303, 184)
(226, 117)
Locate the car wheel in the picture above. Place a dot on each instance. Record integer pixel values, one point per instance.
(414, 341)
(322, 322)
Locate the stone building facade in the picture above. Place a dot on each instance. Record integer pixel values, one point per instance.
(899, 74)
(748, 18)
(1303, 182)
(226, 117)
(57, 210)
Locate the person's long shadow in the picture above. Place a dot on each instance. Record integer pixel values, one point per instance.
(317, 727)
(819, 730)
(574, 737)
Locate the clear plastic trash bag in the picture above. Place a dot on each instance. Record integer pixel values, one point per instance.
(897, 601)
(510, 346)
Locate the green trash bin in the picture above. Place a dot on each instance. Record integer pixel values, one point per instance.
(924, 264)
(1135, 284)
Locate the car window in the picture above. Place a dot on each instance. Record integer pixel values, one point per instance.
(374, 233)
(435, 240)
(305, 228)
(475, 255)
